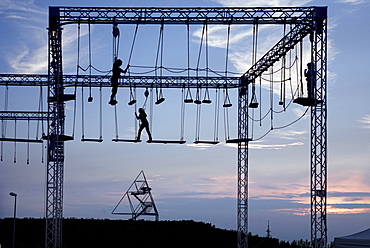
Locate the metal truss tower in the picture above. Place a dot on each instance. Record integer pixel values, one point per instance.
(311, 21)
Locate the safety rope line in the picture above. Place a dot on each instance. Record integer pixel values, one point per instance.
(217, 115)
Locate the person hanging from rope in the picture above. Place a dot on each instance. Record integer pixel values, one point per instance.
(143, 124)
(116, 73)
(310, 75)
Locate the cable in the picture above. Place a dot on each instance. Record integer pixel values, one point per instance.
(281, 127)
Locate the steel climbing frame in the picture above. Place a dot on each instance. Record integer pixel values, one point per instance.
(55, 136)
(319, 133)
(242, 191)
(304, 18)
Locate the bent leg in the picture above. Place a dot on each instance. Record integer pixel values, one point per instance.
(139, 132)
(148, 132)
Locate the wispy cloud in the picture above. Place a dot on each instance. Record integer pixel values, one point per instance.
(257, 3)
(28, 53)
(257, 146)
(354, 2)
(289, 134)
(365, 120)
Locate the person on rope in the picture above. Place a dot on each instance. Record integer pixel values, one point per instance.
(143, 124)
(310, 75)
(116, 74)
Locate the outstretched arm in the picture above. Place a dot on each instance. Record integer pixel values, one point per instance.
(125, 70)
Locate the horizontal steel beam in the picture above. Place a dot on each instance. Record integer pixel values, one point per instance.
(278, 51)
(125, 81)
(107, 15)
(22, 115)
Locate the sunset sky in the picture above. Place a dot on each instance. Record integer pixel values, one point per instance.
(192, 181)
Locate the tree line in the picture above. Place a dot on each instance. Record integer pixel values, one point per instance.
(30, 233)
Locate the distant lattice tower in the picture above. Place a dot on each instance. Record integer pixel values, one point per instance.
(138, 200)
(268, 231)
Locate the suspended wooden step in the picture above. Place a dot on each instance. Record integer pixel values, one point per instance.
(167, 141)
(62, 98)
(238, 140)
(21, 140)
(188, 97)
(61, 137)
(305, 101)
(92, 140)
(160, 100)
(206, 142)
(253, 105)
(208, 101)
(127, 140)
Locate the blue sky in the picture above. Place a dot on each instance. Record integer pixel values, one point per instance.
(194, 181)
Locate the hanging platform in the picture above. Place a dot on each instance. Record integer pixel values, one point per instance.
(92, 140)
(127, 140)
(253, 105)
(61, 137)
(238, 140)
(206, 142)
(305, 101)
(21, 140)
(167, 141)
(159, 101)
(62, 98)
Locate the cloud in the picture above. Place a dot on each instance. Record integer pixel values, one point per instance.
(258, 3)
(255, 145)
(200, 146)
(353, 2)
(289, 134)
(365, 120)
(28, 53)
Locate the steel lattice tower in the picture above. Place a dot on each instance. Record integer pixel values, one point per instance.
(305, 21)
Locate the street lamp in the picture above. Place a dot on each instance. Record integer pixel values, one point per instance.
(15, 208)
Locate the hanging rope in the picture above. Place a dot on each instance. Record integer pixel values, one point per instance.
(28, 143)
(217, 115)
(197, 123)
(4, 122)
(116, 36)
(188, 98)
(253, 102)
(283, 76)
(77, 76)
(159, 93)
(182, 115)
(227, 102)
(15, 141)
(101, 113)
(90, 99)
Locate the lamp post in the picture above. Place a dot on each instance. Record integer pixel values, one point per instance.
(15, 208)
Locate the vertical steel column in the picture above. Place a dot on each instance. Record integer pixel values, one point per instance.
(243, 168)
(55, 149)
(318, 132)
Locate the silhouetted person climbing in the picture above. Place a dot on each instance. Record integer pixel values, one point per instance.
(310, 75)
(116, 73)
(144, 124)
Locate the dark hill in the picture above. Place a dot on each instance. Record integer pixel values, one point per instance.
(124, 233)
